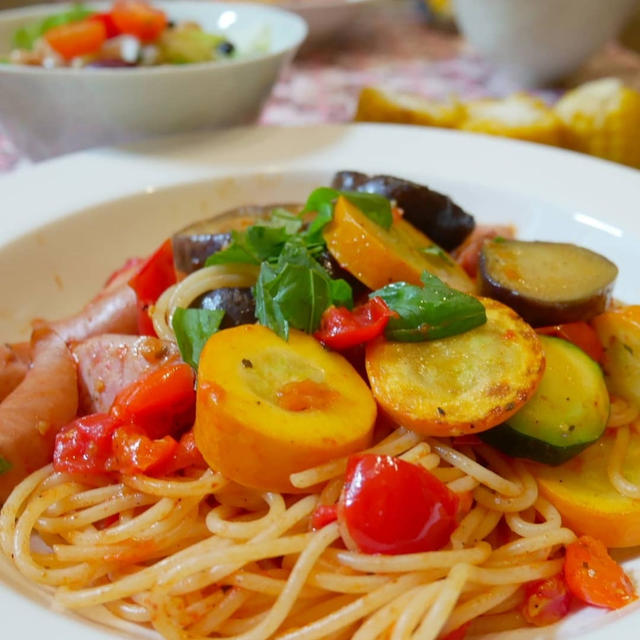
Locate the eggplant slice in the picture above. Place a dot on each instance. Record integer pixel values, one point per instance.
(195, 243)
(435, 214)
(547, 283)
(237, 303)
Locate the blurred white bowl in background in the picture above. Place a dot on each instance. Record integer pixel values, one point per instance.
(327, 18)
(539, 41)
(51, 111)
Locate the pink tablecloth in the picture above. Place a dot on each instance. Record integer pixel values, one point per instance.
(391, 46)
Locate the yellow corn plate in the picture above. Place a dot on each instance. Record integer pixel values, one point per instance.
(602, 118)
(376, 105)
(518, 116)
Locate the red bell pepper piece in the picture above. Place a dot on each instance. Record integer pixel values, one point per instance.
(546, 601)
(161, 402)
(390, 506)
(84, 445)
(594, 577)
(341, 328)
(135, 452)
(155, 275)
(579, 333)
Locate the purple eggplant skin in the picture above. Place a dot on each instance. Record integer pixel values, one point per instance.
(196, 242)
(333, 268)
(547, 283)
(237, 303)
(433, 213)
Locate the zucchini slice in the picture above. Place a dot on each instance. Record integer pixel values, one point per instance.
(461, 384)
(378, 256)
(546, 282)
(567, 413)
(619, 332)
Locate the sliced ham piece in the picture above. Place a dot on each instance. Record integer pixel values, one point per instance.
(109, 362)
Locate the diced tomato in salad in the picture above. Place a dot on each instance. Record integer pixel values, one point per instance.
(138, 18)
(77, 38)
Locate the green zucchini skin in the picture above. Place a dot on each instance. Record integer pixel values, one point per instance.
(567, 413)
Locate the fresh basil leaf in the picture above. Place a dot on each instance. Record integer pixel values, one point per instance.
(25, 37)
(296, 291)
(5, 465)
(322, 201)
(373, 205)
(282, 218)
(193, 327)
(341, 293)
(436, 251)
(252, 246)
(302, 294)
(268, 312)
(430, 312)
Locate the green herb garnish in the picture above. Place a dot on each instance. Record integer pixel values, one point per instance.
(193, 327)
(430, 312)
(296, 290)
(322, 201)
(26, 37)
(436, 251)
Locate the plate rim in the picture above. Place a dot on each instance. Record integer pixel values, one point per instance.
(559, 175)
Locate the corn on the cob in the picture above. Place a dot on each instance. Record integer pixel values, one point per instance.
(376, 105)
(603, 118)
(518, 116)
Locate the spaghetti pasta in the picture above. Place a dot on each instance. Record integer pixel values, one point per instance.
(193, 568)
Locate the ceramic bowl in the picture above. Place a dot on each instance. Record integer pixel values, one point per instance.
(537, 42)
(51, 111)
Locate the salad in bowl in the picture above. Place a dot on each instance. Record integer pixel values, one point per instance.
(130, 33)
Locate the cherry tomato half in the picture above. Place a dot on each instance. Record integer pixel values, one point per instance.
(547, 601)
(579, 333)
(84, 445)
(341, 328)
(390, 506)
(594, 577)
(161, 402)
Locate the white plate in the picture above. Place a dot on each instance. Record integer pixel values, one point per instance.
(67, 223)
